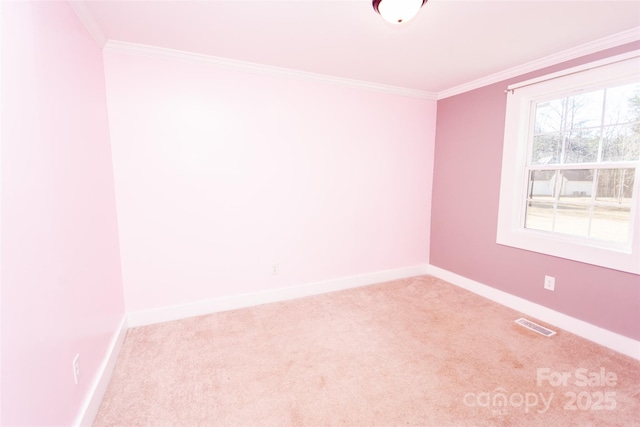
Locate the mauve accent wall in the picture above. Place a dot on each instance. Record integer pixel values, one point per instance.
(468, 156)
(222, 173)
(61, 280)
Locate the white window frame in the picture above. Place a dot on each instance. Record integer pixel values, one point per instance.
(513, 187)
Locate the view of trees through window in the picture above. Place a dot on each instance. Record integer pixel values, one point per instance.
(583, 154)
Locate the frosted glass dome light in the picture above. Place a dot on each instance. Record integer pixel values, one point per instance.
(398, 11)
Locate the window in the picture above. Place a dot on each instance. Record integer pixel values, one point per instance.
(571, 165)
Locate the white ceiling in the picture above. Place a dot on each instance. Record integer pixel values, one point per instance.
(450, 43)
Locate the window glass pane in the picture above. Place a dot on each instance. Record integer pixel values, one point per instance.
(611, 223)
(621, 143)
(622, 104)
(539, 216)
(547, 148)
(572, 219)
(548, 131)
(549, 116)
(615, 186)
(576, 185)
(541, 184)
(621, 134)
(582, 146)
(585, 110)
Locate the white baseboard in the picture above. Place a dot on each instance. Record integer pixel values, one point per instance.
(198, 308)
(612, 340)
(101, 380)
(619, 343)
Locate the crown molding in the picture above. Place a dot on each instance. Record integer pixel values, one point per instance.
(80, 9)
(115, 46)
(615, 40)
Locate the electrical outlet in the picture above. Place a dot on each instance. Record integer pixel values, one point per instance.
(550, 283)
(275, 269)
(76, 368)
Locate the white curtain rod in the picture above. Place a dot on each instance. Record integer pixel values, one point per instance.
(576, 70)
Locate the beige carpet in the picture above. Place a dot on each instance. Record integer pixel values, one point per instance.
(416, 351)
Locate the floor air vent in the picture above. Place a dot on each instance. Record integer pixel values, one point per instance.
(535, 327)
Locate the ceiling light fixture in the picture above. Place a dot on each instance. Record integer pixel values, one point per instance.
(398, 11)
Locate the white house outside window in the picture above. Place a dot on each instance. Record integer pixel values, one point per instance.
(571, 165)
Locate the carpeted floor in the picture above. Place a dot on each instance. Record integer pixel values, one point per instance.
(415, 351)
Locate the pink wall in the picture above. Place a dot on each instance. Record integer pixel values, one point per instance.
(468, 158)
(61, 279)
(221, 173)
